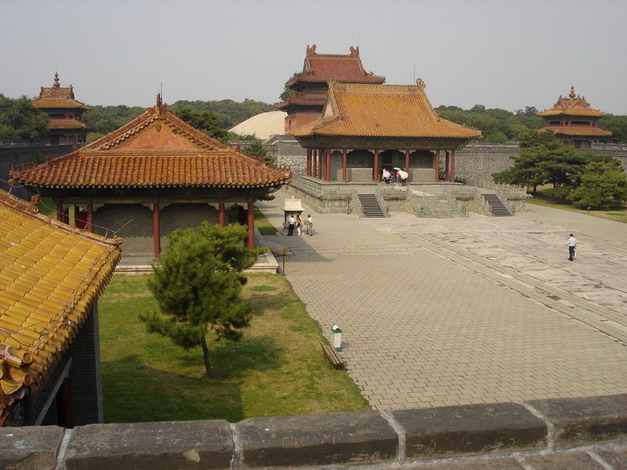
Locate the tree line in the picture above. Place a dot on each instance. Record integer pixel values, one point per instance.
(20, 121)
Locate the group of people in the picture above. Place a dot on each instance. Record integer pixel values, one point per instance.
(399, 176)
(297, 223)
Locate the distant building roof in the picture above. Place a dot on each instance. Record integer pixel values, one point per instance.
(382, 111)
(263, 125)
(156, 149)
(50, 274)
(322, 68)
(573, 105)
(58, 97)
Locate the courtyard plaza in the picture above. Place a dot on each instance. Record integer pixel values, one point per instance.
(466, 310)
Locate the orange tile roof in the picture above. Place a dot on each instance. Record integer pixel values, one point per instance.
(572, 112)
(155, 149)
(321, 68)
(305, 98)
(58, 97)
(67, 124)
(382, 111)
(50, 274)
(59, 104)
(578, 131)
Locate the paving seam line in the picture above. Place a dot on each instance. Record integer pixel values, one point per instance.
(492, 273)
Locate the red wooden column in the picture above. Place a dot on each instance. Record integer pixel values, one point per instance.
(156, 228)
(250, 241)
(327, 165)
(308, 169)
(344, 158)
(446, 163)
(60, 212)
(221, 214)
(315, 162)
(453, 165)
(407, 161)
(437, 166)
(375, 166)
(90, 218)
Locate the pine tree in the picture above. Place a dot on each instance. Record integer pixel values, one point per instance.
(197, 286)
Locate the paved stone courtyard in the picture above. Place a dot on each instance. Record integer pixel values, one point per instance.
(467, 310)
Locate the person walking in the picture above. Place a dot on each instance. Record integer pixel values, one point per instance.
(299, 224)
(571, 243)
(309, 225)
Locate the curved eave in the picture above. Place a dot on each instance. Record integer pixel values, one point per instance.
(157, 185)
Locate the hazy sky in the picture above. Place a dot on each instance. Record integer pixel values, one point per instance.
(499, 53)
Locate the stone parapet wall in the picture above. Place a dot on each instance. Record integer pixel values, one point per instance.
(504, 435)
(21, 155)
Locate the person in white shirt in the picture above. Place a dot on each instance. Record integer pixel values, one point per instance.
(290, 225)
(572, 243)
(309, 225)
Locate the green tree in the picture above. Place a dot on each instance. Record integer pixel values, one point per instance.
(256, 149)
(204, 121)
(603, 185)
(617, 125)
(530, 167)
(20, 120)
(197, 286)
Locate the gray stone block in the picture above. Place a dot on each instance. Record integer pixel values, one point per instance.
(487, 464)
(29, 448)
(580, 421)
(570, 461)
(470, 430)
(153, 446)
(339, 438)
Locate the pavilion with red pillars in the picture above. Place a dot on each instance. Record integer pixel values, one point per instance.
(365, 128)
(574, 121)
(151, 176)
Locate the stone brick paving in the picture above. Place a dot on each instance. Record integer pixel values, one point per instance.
(470, 310)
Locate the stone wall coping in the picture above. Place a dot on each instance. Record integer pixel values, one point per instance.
(496, 434)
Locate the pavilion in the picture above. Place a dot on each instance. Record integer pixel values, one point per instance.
(50, 278)
(149, 177)
(574, 121)
(66, 123)
(310, 86)
(366, 128)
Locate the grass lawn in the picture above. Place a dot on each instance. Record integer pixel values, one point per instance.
(619, 214)
(276, 369)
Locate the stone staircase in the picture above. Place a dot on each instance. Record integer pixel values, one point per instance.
(498, 208)
(370, 205)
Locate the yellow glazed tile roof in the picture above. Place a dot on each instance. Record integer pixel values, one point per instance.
(382, 111)
(50, 274)
(578, 131)
(573, 105)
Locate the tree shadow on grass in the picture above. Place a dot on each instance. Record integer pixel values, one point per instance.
(134, 390)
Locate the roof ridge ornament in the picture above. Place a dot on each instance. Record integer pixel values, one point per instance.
(56, 83)
(572, 92)
(421, 84)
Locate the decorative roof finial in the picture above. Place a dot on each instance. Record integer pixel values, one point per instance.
(420, 84)
(159, 102)
(572, 92)
(56, 83)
